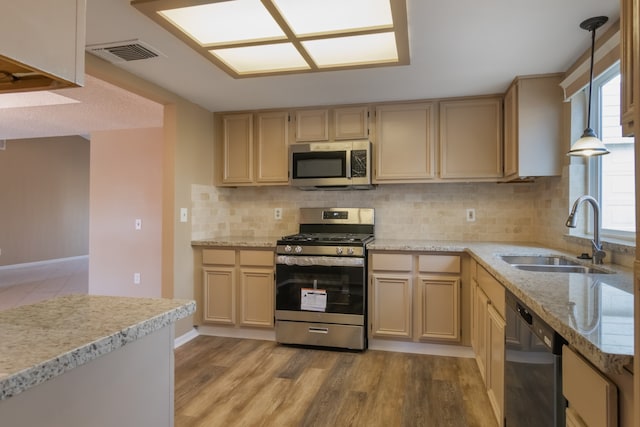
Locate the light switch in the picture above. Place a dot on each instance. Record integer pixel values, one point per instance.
(184, 214)
(138, 224)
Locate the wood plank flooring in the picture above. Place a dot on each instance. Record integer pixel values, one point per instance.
(238, 382)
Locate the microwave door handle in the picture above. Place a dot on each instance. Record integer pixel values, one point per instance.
(347, 156)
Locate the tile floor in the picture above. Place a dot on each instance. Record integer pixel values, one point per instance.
(21, 285)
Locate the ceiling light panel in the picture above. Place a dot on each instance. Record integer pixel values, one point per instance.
(330, 16)
(262, 58)
(255, 38)
(225, 22)
(353, 50)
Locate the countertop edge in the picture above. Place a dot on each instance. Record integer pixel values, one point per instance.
(18, 382)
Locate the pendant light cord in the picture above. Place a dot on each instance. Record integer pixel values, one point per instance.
(593, 47)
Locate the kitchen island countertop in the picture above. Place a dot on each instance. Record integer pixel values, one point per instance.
(593, 312)
(44, 340)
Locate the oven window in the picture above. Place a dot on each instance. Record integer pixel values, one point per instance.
(344, 287)
(319, 165)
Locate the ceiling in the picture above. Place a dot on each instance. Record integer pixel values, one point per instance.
(457, 48)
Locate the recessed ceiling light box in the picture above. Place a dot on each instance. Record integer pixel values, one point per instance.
(250, 38)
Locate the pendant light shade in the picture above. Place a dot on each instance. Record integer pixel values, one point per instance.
(589, 145)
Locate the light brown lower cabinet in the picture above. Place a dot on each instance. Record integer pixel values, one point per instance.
(238, 287)
(592, 397)
(488, 327)
(414, 297)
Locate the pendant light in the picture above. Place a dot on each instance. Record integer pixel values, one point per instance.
(589, 144)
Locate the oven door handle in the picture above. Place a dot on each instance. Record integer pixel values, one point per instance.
(327, 261)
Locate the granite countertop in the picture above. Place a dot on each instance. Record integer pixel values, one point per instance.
(593, 312)
(41, 341)
(237, 241)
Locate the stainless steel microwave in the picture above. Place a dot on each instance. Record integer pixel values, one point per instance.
(337, 165)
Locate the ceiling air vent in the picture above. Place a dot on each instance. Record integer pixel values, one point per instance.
(125, 51)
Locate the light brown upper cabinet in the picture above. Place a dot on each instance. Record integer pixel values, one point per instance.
(272, 159)
(351, 123)
(237, 149)
(254, 149)
(332, 124)
(312, 125)
(629, 44)
(405, 143)
(471, 139)
(533, 127)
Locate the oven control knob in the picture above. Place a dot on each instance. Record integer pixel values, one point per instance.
(350, 251)
(288, 248)
(298, 249)
(339, 250)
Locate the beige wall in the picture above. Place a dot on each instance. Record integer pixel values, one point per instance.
(187, 159)
(44, 194)
(126, 184)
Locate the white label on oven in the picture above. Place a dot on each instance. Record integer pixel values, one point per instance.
(313, 299)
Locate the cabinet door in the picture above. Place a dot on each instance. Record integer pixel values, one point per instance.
(471, 139)
(439, 300)
(256, 297)
(272, 136)
(481, 315)
(219, 295)
(592, 396)
(391, 313)
(404, 143)
(351, 123)
(312, 125)
(237, 134)
(628, 42)
(511, 131)
(495, 360)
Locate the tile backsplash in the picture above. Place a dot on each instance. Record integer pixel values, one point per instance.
(435, 211)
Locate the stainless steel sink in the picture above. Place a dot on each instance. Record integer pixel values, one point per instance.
(551, 264)
(539, 260)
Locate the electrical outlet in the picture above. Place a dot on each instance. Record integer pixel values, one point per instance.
(138, 224)
(184, 215)
(277, 213)
(471, 215)
(136, 278)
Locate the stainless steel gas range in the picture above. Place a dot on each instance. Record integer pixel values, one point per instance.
(321, 279)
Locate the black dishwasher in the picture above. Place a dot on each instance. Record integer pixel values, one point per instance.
(533, 369)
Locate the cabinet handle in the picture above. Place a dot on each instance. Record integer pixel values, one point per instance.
(319, 330)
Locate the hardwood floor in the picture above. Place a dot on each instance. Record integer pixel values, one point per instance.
(237, 382)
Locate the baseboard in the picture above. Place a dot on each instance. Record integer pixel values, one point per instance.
(381, 345)
(185, 338)
(44, 262)
(253, 334)
(421, 348)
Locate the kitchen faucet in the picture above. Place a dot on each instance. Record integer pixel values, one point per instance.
(597, 254)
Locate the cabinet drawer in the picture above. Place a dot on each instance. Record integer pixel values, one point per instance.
(439, 263)
(590, 394)
(391, 262)
(493, 289)
(261, 258)
(219, 256)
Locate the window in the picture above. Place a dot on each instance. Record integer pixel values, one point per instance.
(612, 180)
